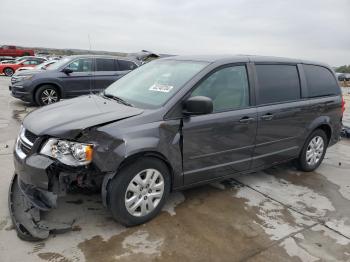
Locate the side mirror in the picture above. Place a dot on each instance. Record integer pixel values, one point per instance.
(67, 71)
(198, 105)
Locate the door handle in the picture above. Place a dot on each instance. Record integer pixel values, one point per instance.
(246, 119)
(267, 117)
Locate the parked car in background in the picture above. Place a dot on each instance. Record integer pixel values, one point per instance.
(343, 76)
(171, 124)
(146, 56)
(70, 77)
(9, 69)
(11, 50)
(41, 66)
(5, 58)
(22, 58)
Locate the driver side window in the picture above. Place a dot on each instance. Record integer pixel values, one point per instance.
(81, 65)
(227, 87)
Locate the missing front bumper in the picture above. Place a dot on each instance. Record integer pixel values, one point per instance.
(26, 215)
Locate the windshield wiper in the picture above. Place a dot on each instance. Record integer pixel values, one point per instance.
(118, 99)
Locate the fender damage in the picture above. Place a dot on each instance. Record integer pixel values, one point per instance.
(40, 180)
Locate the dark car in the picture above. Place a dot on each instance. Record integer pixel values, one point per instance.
(171, 124)
(343, 76)
(69, 77)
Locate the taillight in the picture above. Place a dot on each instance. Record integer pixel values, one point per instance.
(342, 104)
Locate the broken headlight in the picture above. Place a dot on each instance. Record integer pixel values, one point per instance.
(68, 152)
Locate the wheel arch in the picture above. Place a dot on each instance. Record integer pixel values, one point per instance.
(327, 129)
(58, 87)
(323, 123)
(3, 70)
(130, 159)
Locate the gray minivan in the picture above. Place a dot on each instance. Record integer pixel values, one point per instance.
(70, 77)
(171, 124)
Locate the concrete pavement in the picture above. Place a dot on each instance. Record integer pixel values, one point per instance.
(279, 214)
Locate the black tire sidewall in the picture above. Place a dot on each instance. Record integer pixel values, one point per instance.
(117, 188)
(304, 166)
(40, 90)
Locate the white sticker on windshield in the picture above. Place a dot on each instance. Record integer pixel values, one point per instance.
(161, 88)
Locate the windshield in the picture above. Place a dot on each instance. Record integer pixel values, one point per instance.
(59, 63)
(152, 84)
(19, 62)
(43, 65)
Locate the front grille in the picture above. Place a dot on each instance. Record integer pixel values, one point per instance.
(30, 136)
(25, 149)
(25, 143)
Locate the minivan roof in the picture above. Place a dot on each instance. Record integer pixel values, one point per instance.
(243, 58)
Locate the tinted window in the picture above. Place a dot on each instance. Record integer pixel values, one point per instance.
(126, 65)
(105, 64)
(277, 83)
(320, 81)
(227, 87)
(81, 65)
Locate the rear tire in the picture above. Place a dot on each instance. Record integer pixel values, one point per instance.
(138, 192)
(8, 71)
(313, 151)
(46, 94)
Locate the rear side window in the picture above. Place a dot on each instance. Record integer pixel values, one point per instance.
(277, 83)
(125, 65)
(105, 64)
(320, 81)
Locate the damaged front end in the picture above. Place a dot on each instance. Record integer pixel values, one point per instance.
(25, 211)
(38, 181)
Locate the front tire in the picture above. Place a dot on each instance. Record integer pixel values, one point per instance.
(8, 71)
(138, 192)
(313, 151)
(46, 95)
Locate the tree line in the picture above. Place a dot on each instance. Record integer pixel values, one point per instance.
(343, 69)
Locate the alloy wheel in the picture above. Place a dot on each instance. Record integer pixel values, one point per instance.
(314, 150)
(144, 192)
(49, 96)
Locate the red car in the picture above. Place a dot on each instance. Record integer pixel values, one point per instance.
(9, 69)
(11, 50)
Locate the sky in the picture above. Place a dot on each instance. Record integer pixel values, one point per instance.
(307, 29)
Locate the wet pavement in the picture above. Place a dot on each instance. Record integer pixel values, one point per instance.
(279, 214)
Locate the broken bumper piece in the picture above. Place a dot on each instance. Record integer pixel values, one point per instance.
(27, 206)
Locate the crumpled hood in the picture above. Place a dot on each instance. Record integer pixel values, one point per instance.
(68, 118)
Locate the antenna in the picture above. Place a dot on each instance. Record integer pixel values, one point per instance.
(93, 66)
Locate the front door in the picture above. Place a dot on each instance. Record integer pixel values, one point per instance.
(220, 143)
(80, 81)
